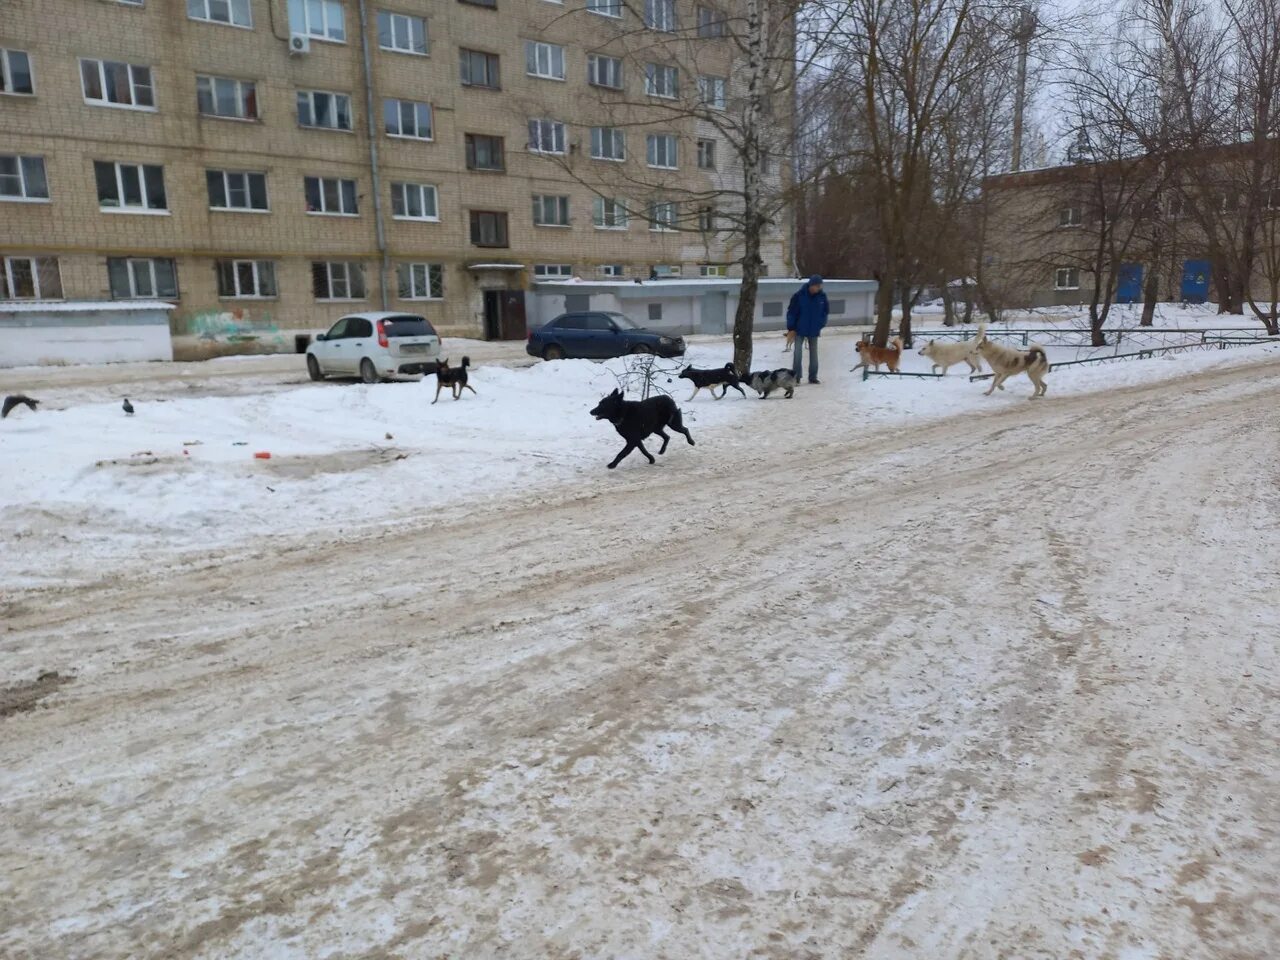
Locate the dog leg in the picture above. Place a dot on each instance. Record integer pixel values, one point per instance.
(677, 424)
(622, 456)
(723, 391)
(737, 387)
(640, 447)
(665, 440)
(467, 386)
(692, 395)
(439, 385)
(995, 382)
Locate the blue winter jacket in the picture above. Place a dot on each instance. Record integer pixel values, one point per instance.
(807, 314)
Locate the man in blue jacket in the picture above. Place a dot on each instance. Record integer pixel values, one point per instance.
(806, 316)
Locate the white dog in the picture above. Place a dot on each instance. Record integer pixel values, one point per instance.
(1006, 362)
(946, 354)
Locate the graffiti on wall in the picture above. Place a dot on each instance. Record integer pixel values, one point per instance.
(231, 326)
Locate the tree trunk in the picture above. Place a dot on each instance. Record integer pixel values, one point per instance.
(884, 311)
(752, 218)
(904, 327)
(966, 291)
(948, 306)
(1150, 297)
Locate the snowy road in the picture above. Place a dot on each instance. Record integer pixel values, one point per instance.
(996, 686)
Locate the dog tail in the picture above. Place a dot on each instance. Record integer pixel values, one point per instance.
(982, 334)
(466, 362)
(896, 342)
(728, 368)
(1036, 354)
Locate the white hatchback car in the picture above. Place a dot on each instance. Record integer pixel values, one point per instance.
(375, 346)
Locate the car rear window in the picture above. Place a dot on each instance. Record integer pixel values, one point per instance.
(408, 327)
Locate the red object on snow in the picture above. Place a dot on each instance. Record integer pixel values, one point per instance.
(262, 455)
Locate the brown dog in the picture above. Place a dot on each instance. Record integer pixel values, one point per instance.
(872, 356)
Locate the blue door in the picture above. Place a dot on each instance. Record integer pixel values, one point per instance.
(1129, 283)
(1195, 281)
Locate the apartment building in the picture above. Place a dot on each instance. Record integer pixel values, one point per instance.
(294, 160)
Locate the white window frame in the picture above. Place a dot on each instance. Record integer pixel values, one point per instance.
(6, 73)
(6, 268)
(540, 60)
(549, 137)
(20, 161)
(132, 265)
(349, 269)
(256, 266)
(712, 270)
(660, 15)
(418, 106)
(552, 271)
(248, 193)
(208, 6)
(1070, 217)
(710, 28)
(144, 209)
(242, 87)
(716, 99)
(599, 65)
(613, 270)
(664, 91)
(651, 151)
(134, 85)
(707, 219)
(601, 207)
(311, 106)
(1058, 278)
(492, 68)
(558, 203)
(393, 19)
(706, 151)
(431, 276)
(605, 8)
(616, 137)
(320, 182)
(665, 224)
(300, 20)
(422, 190)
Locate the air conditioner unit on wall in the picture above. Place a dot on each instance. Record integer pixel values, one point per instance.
(299, 43)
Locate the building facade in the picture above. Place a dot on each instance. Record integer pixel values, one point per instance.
(287, 161)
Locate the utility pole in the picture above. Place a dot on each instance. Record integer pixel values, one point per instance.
(1023, 33)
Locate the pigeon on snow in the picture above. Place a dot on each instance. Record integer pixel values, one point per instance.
(128, 407)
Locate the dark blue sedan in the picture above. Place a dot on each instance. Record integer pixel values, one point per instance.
(598, 335)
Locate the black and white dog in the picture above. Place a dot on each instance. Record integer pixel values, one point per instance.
(764, 382)
(724, 377)
(637, 419)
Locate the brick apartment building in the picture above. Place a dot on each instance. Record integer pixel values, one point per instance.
(229, 155)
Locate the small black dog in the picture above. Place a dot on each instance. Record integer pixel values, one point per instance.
(637, 419)
(724, 377)
(455, 378)
(17, 400)
(765, 382)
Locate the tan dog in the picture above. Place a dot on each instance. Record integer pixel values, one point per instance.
(1006, 362)
(872, 356)
(946, 354)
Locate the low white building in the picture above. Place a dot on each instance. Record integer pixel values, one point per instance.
(704, 305)
(36, 332)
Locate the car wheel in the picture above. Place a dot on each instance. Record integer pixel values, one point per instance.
(553, 353)
(642, 348)
(313, 367)
(367, 372)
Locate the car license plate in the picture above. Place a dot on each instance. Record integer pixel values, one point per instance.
(414, 347)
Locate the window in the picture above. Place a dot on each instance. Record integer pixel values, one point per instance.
(330, 195)
(488, 228)
(1271, 198)
(1070, 217)
(664, 270)
(707, 219)
(236, 190)
(655, 311)
(246, 279)
(420, 281)
(661, 150)
(613, 270)
(604, 71)
(330, 111)
(835, 308)
(552, 271)
(130, 3)
(712, 270)
(23, 178)
(233, 12)
(337, 280)
(711, 90)
(771, 308)
(662, 215)
(706, 154)
(546, 136)
(606, 8)
(550, 211)
(480, 69)
(225, 97)
(30, 278)
(492, 4)
(710, 23)
(608, 143)
(544, 60)
(407, 118)
(132, 187)
(484, 152)
(321, 19)
(608, 214)
(15, 73)
(1066, 278)
(414, 201)
(765, 163)
(402, 33)
(660, 81)
(142, 279)
(660, 15)
(110, 83)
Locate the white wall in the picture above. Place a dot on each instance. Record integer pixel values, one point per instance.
(22, 346)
